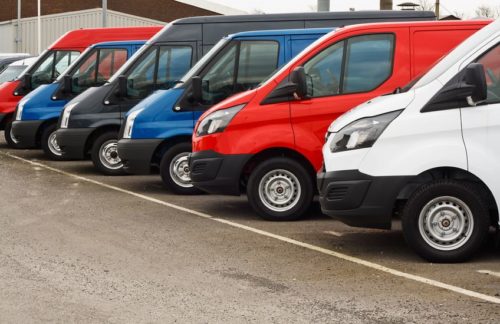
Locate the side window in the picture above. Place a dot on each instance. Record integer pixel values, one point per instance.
(368, 62)
(84, 76)
(218, 82)
(258, 59)
(173, 63)
(110, 60)
(141, 79)
(324, 71)
(359, 64)
(491, 64)
(52, 66)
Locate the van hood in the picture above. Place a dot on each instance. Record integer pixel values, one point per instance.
(377, 106)
(237, 99)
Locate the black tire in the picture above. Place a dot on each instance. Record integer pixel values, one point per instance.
(48, 148)
(11, 141)
(477, 221)
(108, 138)
(176, 185)
(271, 168)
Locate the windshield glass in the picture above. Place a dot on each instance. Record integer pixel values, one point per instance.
(206, 58)
(11, 73)
(50, 66)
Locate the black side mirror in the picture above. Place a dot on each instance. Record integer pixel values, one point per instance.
(475, 79)
(68, 83)
(27, 81)
(299, 78)
(197, 94)
(122, 86)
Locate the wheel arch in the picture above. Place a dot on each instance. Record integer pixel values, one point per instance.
(166, 144)
(98, 131)
(43, 126)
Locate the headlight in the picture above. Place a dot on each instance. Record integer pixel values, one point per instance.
(66, 114)
(217, 121)
(129, 123)
(19, 109)
(361, 133)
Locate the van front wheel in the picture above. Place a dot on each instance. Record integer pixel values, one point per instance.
(446, 220)
(104, 154)
(174, 170)
(49, 143)
(280, 189)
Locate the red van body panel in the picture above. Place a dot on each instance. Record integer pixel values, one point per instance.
(300, 125)
(75, 40)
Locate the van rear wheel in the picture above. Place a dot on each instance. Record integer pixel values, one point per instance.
(9, 137)
(174, 170)
(104, 154)
(49, 143)
(280, 189)
(446, 220)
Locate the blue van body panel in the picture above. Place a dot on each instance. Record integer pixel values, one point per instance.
(158, 118)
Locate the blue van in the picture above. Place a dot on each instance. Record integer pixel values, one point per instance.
(157, 131)
(37, 113)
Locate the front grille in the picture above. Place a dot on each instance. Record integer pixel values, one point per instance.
(336, 193)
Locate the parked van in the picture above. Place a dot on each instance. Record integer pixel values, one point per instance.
(52, 63)
(158, 130)
(268, 141)
(14, 69)
(91, 122)
(37, 113)
(429, 153)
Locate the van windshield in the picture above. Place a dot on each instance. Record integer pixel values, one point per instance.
(11, 73)
(52, 64)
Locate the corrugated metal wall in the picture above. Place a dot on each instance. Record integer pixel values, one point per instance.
(53, 26)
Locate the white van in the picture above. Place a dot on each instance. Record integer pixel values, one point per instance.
(430, 153)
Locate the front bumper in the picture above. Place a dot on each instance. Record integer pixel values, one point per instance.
(136, 154)
(72, 142)
(25, 132)
(217, 173)
(358, 199)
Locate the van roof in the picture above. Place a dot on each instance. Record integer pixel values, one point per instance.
(466, 47)
(83, 38)
(115, 43)
(305, 31)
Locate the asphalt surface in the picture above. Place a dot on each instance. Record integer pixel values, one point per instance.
(76, 246)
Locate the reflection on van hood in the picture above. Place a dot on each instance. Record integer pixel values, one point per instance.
(373, 107)
(237, 99)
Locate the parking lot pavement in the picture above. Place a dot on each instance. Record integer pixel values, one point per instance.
(78, 246)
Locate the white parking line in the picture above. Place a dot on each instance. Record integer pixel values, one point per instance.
(491, 273)
(337, 234)
(338, 255)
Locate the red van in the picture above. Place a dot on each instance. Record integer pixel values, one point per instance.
(268, 141)
(55, 60)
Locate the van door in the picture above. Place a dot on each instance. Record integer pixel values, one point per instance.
(343, 75)
(241, 66)
(160, 68)
(481, 126)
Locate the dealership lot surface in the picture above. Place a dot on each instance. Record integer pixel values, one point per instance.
(78, 246)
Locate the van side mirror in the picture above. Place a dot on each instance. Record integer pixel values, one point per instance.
(122, 86)
(197, 94)
(299, 78)
(475, 78)
(68, 84)
(466, 89)
(27, 81)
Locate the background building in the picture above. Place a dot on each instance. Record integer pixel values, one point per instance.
(60, 16)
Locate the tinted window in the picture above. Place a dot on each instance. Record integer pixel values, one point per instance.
(109, 60)
(491, 64)
(359, 64)
(256, 60)
(52, 66)
(324, 71)
(159, 68)
(368, 62)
